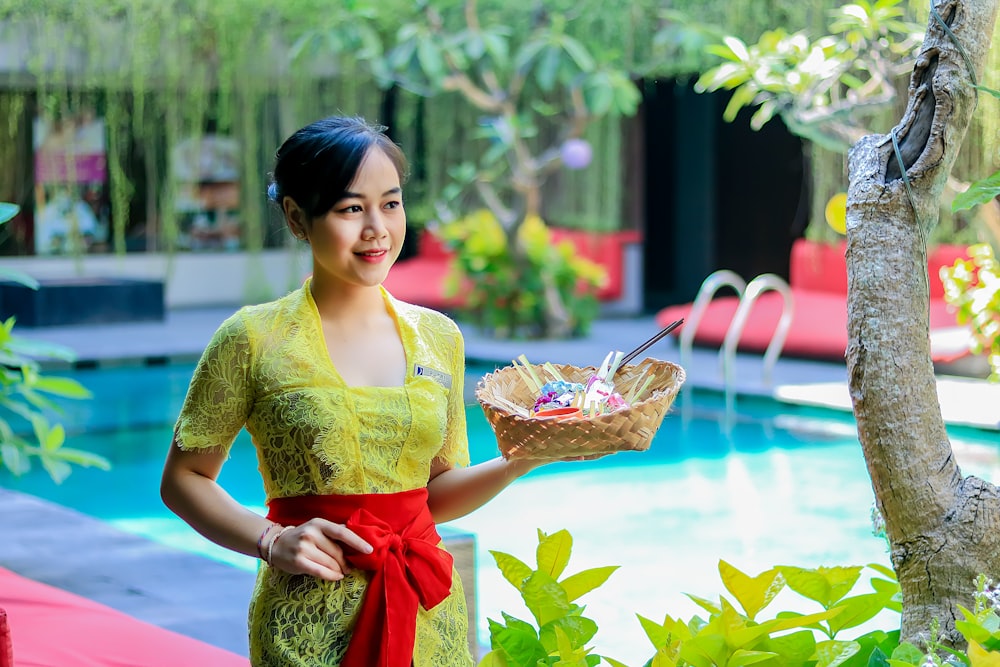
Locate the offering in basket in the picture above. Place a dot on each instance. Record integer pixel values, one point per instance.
(552, 411)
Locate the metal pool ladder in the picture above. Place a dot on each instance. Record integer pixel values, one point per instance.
(748, 294)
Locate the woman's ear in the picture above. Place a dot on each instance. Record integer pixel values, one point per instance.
(295, 218)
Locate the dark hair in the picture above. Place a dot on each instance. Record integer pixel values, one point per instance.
(316, 165)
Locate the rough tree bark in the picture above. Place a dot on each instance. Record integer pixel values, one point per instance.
(943, 528)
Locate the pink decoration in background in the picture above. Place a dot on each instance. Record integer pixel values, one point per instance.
(576, 153)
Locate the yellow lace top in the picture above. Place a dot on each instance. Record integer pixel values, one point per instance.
(267, 369)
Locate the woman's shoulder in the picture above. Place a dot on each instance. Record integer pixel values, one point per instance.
(426, 319)
(274, 311)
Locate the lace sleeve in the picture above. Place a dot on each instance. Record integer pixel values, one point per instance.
(219, 397)
(455, 449)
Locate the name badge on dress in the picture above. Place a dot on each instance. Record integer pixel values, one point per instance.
(440, 377)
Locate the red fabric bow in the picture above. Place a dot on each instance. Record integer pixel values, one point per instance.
(406, 564)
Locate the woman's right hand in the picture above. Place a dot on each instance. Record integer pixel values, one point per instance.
(316, 548)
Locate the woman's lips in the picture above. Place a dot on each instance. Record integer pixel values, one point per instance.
(373, 256)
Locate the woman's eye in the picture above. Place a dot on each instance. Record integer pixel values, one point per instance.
(394, 204)
(352, 209)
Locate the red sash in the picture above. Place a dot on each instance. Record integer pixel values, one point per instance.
(406, 564)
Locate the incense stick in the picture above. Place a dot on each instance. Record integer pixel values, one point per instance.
(642, 348)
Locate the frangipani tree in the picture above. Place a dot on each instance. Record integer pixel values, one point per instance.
(537, 88)
(943, 527)
(833, 89)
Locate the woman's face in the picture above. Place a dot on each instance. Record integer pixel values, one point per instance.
(359, 239)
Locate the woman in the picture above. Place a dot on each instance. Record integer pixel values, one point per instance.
(354, 401)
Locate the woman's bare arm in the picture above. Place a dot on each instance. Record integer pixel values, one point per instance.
(189, 488)
(454, 492)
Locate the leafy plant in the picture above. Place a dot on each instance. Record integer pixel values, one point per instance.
(561, 631)
(729, 637)
(538, 92)
(506, 293)
(823, 89)
(972, 286)
(734, 634)
(25, 394)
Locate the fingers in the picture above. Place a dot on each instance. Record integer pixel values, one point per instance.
(341, 533)
(314, 548)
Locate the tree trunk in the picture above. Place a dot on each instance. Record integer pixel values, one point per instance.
(942, 527)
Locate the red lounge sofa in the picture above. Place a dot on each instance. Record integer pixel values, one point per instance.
(421, 279)
(818, 281)
(49, 627)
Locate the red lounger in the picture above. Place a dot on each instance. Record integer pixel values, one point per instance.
(49, 627)
(818, 280)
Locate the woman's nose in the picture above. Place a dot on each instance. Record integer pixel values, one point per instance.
(375, 225)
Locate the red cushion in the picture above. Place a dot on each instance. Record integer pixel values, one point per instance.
(818, 329)
(818, 267)
(51, 627)
(420, 281)
(604, 248)
(431, 247)
(822, 267)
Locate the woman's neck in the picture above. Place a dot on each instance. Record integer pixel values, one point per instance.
(346, 302)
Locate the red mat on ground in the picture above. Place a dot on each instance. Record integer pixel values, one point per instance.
(49, 627)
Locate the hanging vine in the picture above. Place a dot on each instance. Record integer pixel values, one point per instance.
(165, 71)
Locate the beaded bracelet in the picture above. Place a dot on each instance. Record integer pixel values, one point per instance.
(270, 545)
(260, 540)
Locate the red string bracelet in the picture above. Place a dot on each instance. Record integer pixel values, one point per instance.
(260, 540)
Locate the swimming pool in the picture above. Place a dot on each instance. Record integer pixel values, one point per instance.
(762, 485)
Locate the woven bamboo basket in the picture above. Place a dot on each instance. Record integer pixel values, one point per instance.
(629, 429)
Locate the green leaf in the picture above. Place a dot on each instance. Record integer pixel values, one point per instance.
(973, 631)
(513, 569)
(833, 652)
(8, 211)
(493, 659)
(583, 582)
(577, 629)
(705, 650)
(14, 459)
(858, 609)
(753, 593)
(741, 97)
(616, 663)
(18, 277)
(994, 93)
(824, 585)
(741, 657)
(60, 386)
(55, 438)
(430, 59)
(657, 634)
(522, 648)
(40, 349)
(578, 52)
(544, 597)
(548, 68)
(58, 470)
(794, 648)
(82, 458)
(705, 604)
(878, 658)
(979, 192)
(907, 653)
(553, 552)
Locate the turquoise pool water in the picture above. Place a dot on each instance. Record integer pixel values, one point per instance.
(762, 485)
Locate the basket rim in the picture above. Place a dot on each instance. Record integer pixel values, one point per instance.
(656, 395)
